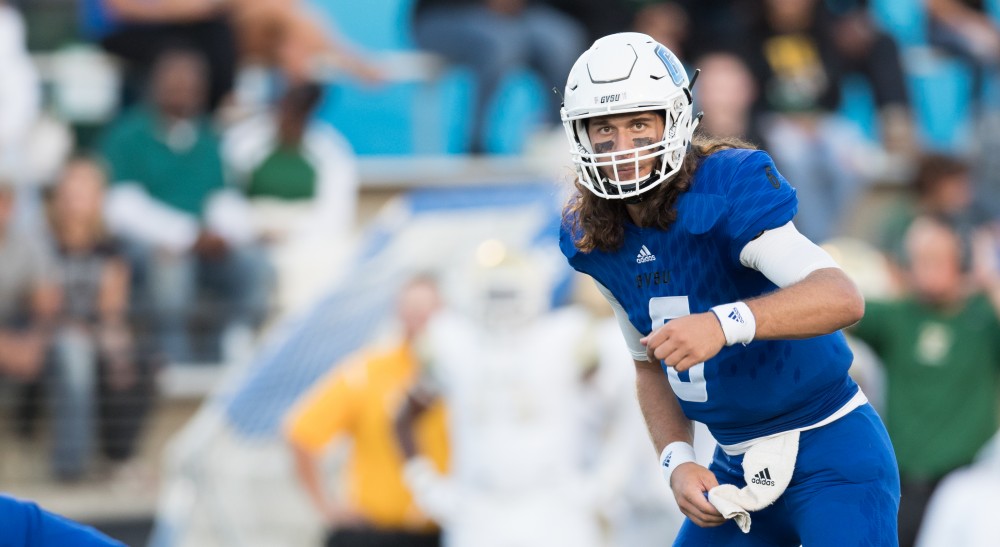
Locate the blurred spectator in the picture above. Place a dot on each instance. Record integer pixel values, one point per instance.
(51, 24)
(795, 63)
(20, 94)
(598, 17)
(866, 50)
(667, 22)
(169, 203)
(689, 28)
(940, 345)
(968, 30)
(32, 146)
(964, 29)
(963, 509)
(941, 187)
(81, 86)
(139, 32)
(692, 28)
(494, 38)
(291, 37)
(25, 524)
(94, 363)
(357, 402)
(280, 34)
(301, 177)
(726, 92)
(514, 394)
(29, 302)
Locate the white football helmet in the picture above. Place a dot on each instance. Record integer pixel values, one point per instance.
(622, 73)
(503, 288)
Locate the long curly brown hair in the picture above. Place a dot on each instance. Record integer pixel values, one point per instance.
(599, 223)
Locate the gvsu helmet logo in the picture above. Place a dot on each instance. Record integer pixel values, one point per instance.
(613, 98)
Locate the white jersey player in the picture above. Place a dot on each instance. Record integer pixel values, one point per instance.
(513, 393)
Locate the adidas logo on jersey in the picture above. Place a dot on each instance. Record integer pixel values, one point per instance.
(644, 256)
(763, 478)
(735, 316)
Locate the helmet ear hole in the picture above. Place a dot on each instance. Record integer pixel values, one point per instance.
(582, 137)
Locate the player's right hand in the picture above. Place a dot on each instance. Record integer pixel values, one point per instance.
(686, 341)
(690, 483)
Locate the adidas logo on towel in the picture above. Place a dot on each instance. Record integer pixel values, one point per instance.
(644, 256)
(735, 316)
(763, 478)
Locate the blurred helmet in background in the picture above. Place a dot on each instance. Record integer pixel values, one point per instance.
(503, 289)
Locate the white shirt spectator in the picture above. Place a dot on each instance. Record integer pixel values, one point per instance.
(963, 509)
(20, 96)
(517, 471)
(332, 212)
(310, 238)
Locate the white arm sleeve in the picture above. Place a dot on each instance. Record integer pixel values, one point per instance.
(228, 214)
(20, 95)
(631, 334)
(785, 256)
(132, 213)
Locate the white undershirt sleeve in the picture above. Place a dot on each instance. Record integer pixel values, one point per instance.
(132, 213)
(631, 334)
(228, 213)
(785, 256)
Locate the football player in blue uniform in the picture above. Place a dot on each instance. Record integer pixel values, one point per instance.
(25, 524)
(731, 315)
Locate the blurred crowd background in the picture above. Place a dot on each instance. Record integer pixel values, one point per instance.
(206, 206)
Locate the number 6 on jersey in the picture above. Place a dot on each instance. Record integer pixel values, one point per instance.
(661, 310)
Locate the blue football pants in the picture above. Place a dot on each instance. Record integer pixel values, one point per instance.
(844, 491)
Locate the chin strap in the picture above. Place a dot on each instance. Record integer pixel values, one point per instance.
(639, 198)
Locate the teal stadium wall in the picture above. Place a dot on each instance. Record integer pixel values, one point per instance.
(417, 117)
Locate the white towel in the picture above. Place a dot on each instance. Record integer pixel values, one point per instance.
(767, 468)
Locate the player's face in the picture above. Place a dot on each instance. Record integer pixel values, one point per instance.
(80, 195)
(418, 302)
(621, 132)
(180, 85)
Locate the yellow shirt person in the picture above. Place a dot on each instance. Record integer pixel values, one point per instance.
(358, 401)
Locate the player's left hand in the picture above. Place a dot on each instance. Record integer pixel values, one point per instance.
(686, 341)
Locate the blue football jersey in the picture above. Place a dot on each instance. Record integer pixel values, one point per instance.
(25, 524)
(744, 392)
